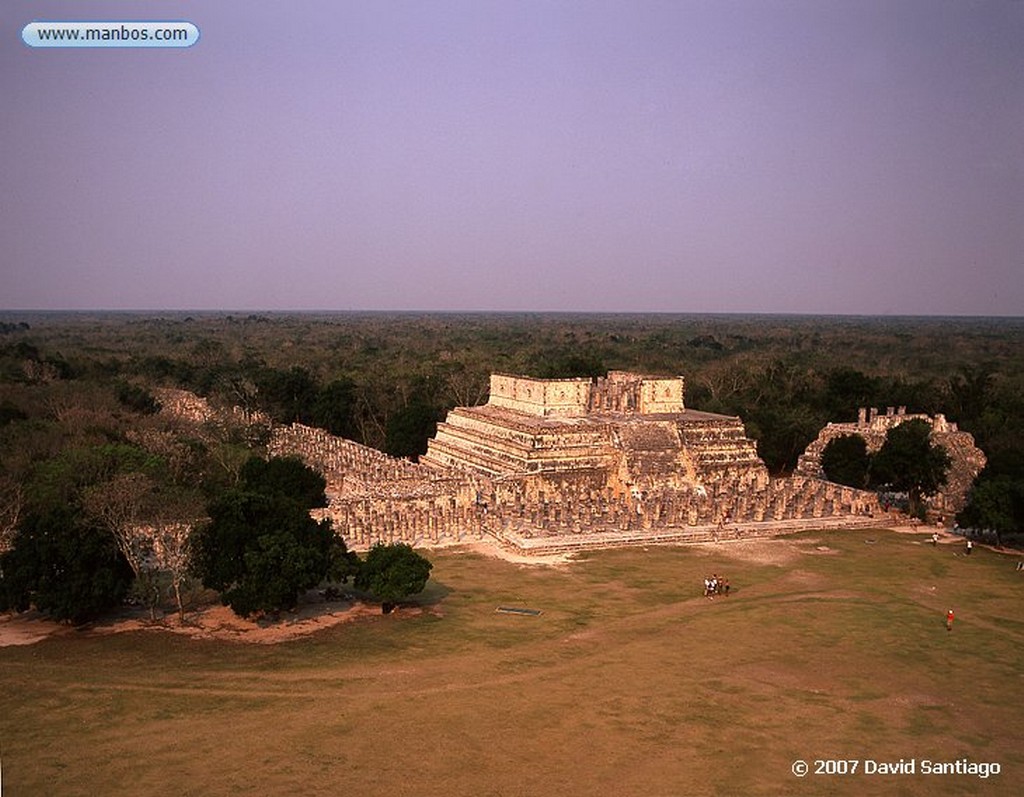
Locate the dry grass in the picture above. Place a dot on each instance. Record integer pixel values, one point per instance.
(629, 683)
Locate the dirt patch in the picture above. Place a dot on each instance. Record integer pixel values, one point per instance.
(779, 551)
(221, 623)
(804, 580)
(210, 622)
(27, 629)
(497, 552)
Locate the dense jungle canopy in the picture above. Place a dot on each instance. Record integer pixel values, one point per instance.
(72, 384)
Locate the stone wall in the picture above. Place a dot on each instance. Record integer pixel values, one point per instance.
(373, 497)
(185, 405)
(378, 498)
(350, 468)
(618, 392)
(196, 409)
(499, 474)
(626, 392)
(967, 459)
(544, 397)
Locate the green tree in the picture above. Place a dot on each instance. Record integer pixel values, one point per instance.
(64, 566)
(409, 429)
(845, 460)
(262, 551)
(393, 573)
(569, 364)
(335, 408)
(908, 462)
(996, 504)
(10, 412)
(137, 398)
(64, 478)
(847, 388)
(284, 476)
(287, 396)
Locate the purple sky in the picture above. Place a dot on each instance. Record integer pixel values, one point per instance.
(790, 157)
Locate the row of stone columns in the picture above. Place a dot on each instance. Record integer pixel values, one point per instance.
(380, 498)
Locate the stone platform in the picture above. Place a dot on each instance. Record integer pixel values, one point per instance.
(524, 542)
(570, 464)
(553, 466)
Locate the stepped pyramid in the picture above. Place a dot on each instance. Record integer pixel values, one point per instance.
(624, 432)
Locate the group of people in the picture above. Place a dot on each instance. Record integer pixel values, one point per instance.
(716, 586)
(968, 545)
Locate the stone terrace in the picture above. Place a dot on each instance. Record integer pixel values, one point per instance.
(540, 481)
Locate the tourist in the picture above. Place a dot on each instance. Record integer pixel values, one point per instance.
(935, 538)
(970, 547)
(949, 620)
(710, 587)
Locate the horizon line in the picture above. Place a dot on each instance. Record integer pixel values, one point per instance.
(228, 311)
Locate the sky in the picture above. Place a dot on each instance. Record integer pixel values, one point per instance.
(727, 156)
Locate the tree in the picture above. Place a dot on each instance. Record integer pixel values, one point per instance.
(10, 413)
(409, 429)
(393, 573)
(261, 551)
(845, 460)
(65, 566)
(287, 396)
(172, 543)
(284, 476)
(64, 478)
(908, 462)
(117, 505)
(137, 398)
(11, 501)
(335, 408)
(847, 388)
(568, 364)
(996, 504)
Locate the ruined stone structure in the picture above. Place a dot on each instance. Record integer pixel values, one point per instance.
(967, 458)
(564, 463)
(376, 498)
(622, 435)
(196, 409)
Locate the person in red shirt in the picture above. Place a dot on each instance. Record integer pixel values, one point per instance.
(949, 620)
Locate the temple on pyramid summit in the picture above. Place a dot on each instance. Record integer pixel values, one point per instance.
(564, 464)
(624, 433)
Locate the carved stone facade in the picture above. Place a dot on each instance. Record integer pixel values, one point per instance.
(967, 459)
(551, 464)
(620, 391)
(565, 464)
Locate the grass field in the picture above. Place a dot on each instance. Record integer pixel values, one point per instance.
(831, 646)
